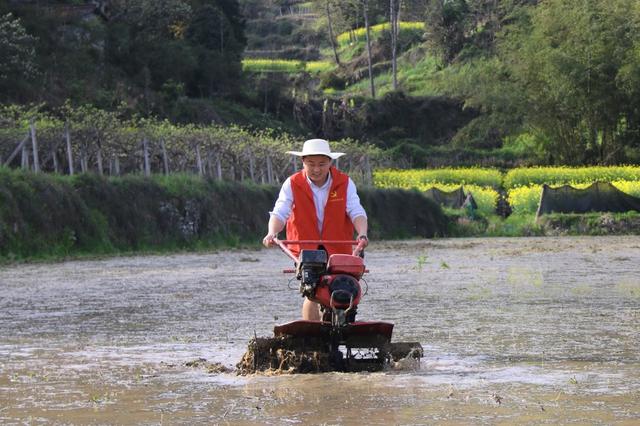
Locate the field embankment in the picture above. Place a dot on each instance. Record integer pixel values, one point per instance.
(52, 216)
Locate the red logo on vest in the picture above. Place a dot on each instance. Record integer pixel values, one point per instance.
(333, 196)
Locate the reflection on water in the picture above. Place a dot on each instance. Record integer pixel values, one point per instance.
(539, 330)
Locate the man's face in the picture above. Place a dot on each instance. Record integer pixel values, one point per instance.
(317, 168)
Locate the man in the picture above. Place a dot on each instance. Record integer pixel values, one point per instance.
(317, 203)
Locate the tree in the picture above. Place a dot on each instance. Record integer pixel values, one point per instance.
(445, 23)
(576, 66)
(566, 72)
(197, 42)
(216, 36)
(394, 16)
(367, 27)
(468, 27)
(17, 52)
(331, 35)
(146, 35)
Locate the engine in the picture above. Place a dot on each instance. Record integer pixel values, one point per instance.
(312, 264)
(334, 283)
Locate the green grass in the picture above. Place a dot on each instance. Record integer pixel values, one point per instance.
(347, 52)
(180, 184)
(416, 77)
(591, 223)
(526, 225)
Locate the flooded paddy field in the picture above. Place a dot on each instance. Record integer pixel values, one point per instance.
(522, 330)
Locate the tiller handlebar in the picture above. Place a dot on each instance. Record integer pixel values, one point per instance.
(284, 243)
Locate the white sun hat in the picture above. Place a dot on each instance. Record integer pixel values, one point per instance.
(316, 147)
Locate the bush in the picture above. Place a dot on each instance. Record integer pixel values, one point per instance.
(45, 215)
(396, 213)
(333, 80)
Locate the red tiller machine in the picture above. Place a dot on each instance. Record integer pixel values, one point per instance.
(335, 283)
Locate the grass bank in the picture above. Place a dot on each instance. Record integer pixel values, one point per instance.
(48, 217)
(461, 224)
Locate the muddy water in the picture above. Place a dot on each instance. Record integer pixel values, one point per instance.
(539, 331)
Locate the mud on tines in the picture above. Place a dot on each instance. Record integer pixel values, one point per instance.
(321, 350)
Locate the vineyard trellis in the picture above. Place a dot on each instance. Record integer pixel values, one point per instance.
(89, 140)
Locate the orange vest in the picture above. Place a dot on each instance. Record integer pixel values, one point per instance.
(303, 222)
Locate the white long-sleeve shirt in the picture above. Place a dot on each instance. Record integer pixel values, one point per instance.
(284, 203)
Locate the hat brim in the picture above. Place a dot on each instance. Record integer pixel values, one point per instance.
(332, 155)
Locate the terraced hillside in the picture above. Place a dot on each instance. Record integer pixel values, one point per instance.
(281, 30)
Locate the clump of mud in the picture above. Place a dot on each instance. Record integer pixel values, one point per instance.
(210, 367)
(283, 355)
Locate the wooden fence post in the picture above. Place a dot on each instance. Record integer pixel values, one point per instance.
(69, 152)
(368, 175)
(145, 149)
(116, 164)
(218, 167)
(84, 160)
(269, 170)
(19, 148)
(209, 163)
(252, 166)
(25, 157)
(34, 142)
(99, 160)
(165, 160)
(56, 168)
(199, 161)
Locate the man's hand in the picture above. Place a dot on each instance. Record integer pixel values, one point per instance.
(275, 226)
(363, 239)
(267, 241)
